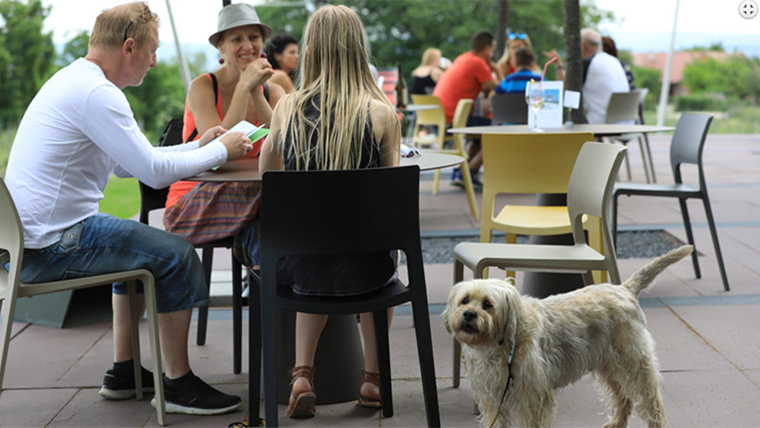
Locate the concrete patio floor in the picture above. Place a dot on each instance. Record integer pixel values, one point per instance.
(708, 340)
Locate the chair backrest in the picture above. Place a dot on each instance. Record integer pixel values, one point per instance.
(509, 108)
(590, 187)
(642, 99)
(462, 112)
(623, 106)
(390, 76)
(151, 199)
(11, 238)
(340, 212)
(429, 117)
(688, 142)
(528, 163)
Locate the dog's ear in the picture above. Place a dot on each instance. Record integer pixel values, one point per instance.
(509, 313)
(450, 307)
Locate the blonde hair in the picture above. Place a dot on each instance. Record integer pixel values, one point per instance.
(114, 26)
(429, 56)
(505, 57)
(336, 79)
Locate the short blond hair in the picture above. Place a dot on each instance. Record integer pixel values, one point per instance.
(114, 26)
(430, 55)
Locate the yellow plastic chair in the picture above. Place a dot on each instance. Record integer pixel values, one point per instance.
(588, 194)
(527, 164)
(11, 288)
(436, 141)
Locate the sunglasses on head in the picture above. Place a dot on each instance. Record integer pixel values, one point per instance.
(520, 36)
(146, 15)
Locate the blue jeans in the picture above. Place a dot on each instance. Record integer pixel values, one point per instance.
(105, 244)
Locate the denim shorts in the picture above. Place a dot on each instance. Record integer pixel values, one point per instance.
(105, 244)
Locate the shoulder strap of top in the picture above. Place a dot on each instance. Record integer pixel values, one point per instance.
(217, 102)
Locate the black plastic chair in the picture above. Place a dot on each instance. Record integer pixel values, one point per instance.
(509, 109)
(686, 147)
(355, 211)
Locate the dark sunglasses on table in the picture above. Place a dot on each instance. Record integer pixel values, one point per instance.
(147, 16)
(520, 36)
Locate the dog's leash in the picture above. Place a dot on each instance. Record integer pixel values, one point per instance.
(506, 387)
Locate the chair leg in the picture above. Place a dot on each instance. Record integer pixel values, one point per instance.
(467, 178)
(714, 234)
(649, 156)
(7, 310)
(237, 315)
(208, 259)
(596, 242)
(155, 348)
(436, 180)
(690, 236)
(384, 360)
(135, 334)
(457, 347)
(427, 364)
(269, 334)
(511, 239)
(613, 218)
(254, 349)
(628, 167)
(644, 160)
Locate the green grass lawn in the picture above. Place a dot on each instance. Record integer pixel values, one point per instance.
(122, 197)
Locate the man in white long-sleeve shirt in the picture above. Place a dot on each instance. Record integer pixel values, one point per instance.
(602, 76)
(77, 131)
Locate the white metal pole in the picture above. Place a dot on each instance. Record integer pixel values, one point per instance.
(184, 70)
(666, 76)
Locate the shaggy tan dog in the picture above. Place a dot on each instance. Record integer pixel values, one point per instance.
(555, 341)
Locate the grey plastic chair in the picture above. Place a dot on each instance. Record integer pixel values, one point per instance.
(11, 288)
(686, 147)
(509, 109)
(623, 107)
(588, 193)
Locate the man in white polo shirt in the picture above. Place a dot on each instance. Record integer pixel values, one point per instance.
(602, 76)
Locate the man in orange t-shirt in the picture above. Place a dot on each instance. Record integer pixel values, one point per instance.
(467, 76)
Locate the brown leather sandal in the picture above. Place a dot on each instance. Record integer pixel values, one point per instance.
(373, 378)
(303, 405)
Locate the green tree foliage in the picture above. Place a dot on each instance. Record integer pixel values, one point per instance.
(736, 77)
(649, 78)
(160, 98)
(26, 56)
(401, 30)
(74, 48)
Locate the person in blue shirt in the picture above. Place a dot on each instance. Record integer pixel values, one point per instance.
(516, 82)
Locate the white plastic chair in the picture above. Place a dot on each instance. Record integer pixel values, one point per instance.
(624, 107)
(11, 288)
(588, 193)
(687, 147)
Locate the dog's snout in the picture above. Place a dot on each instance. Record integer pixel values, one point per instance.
(469, 315)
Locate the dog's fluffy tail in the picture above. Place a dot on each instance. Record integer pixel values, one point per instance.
(643, 277)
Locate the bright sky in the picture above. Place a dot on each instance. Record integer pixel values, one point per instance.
(642, 25)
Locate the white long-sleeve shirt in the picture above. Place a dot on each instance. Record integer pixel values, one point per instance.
(77, 131)
(605, 76)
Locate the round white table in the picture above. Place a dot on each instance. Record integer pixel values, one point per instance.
(599, 130)
(247, 168)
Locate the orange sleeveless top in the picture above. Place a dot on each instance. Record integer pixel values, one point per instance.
(180, 188)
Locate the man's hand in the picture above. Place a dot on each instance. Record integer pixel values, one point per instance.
(237, 144)
(209, 135)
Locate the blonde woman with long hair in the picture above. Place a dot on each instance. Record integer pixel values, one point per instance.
(339, 119)
(426, 75)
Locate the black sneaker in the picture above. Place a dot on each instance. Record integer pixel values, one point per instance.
(192, 396)
(120, 385)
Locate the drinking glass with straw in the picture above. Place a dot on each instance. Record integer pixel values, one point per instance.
(535, 98)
